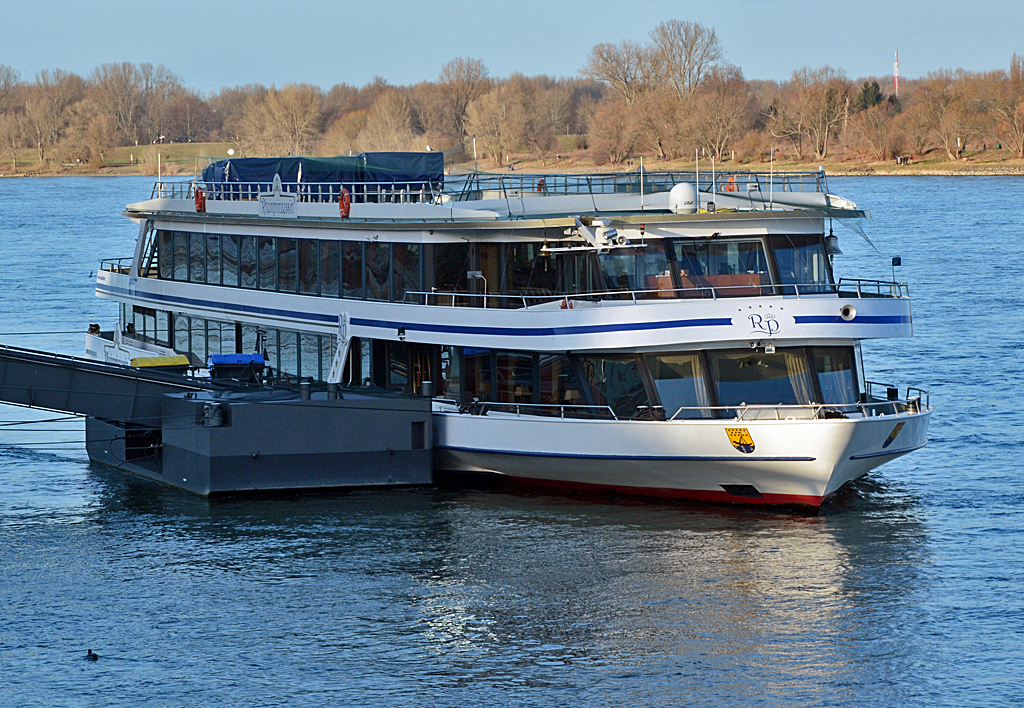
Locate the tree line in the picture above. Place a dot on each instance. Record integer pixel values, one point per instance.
(670, 97)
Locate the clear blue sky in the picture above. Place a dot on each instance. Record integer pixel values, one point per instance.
(214, 44)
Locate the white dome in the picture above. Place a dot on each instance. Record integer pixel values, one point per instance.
(683, 199)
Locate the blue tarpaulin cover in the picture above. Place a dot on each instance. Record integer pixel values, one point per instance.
(398, 168)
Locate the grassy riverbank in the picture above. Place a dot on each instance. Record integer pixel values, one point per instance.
(185, 159)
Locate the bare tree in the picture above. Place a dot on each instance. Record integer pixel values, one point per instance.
(159, 87)
(878, 130)
(388, 124)
(100, 138)
(948, 104)
(119, 90)
(461, 82)
(47, 110)
(721, 110)
(613, 132)
(631, 69)
(492, 119)
(686, 52)
(189, 117)
(824, 104)
(10, 80)
(1005, 94)
(12, 135)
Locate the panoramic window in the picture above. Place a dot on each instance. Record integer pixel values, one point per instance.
(213, 259)
(746, 376)
(527, 272)
(515, 377)
(802, 264)
(732, 268)
(165, 254)
(352, 269)
(197, 258)
(406, 276)
(559, 384)
(248, 261)
(329, 280)
(615, 383)
(308, 276)
(378, 271)
(835, 369)
(229, 268)
(287, 265)
(679, 379)
(267, 263)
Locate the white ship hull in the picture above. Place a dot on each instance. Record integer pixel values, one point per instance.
(798, 462)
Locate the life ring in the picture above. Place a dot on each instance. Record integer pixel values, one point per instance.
(566, 304)
(540, 185)
(200, 200)
(730, 185)
(344, 203)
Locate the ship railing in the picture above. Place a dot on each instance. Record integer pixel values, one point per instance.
(417, 192)
(568, 300)
(122, 266)
(482, 185)
(552, 410)
(911, 405)
(864, 287)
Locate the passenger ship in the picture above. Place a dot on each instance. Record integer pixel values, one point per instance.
(672, 334)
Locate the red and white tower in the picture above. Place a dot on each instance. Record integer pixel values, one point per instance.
(896, 73)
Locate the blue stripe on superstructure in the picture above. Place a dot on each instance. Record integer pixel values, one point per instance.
(449, 329)
(859, 319)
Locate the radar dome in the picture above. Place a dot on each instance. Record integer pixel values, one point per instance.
(682, 199)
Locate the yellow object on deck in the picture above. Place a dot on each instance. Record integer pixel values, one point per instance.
(150, 361)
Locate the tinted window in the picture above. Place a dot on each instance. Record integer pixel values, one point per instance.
(229, 271)
(802, 262)
(248, 261)
(287, 265)
(731, 268)
(329, 268)
(308, 280)
(680, 381)
(745, 376)
(268, 263)
(835, 367)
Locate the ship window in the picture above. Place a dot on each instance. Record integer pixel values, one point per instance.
(227, 338)
(165, 254)
(181, 331)
(144, 321)
(197, 258)
(406, 275)
(679, 379)
(653, 271)
(451, 262)
(802, 264)
(198, 341)
(309, 356)
(213, 259)
(286, 265)
(267, 263)
(378, 271)
(249, 339)
(616, 383)
(308, 277)
(478, 373)
(289, 353)
(451, 373)
(229, 269)
(329, 268)
(515, 378)
(247, 261)
(352, 269)
(559, 384)
(528, 272)
(398, 365)
(327, 345)
(180, 255)
(163, 328)
(835, 369)
(213, 338)
(732, 268)
(745, 376)
(271, 352)
(620, 270)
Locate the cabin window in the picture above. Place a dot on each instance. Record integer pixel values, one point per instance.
(198, 340)
(352, 269)
(213, 259)
(327, 347)
(289, 346)
(249, 339)
(835, 367)
(247, 261)
(180, 255)
(736, 268)
(144, 322)
(227, 338)
(309, 356)
(753, 377)
(378, 271)
(406, 270)
(197, 258)
(329, 269)
(679, 380)
(527, 272)
(802, 263)
(451, 373)
(478, 382)
(309, 281)
(559, 384)
(515, 378)
(398, 365)
(213, 337)
(229, 263)
(181, 333)
(267, 263)
(615, 383)
(163, 328)
(287, 265)
(165, 254)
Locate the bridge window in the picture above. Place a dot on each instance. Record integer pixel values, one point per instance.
(735, 268)
(802, 264)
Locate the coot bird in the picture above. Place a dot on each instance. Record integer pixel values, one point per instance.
(91, 656)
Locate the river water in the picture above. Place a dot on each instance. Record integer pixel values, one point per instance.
(907, 590)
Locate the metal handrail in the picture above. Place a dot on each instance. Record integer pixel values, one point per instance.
(910, 405)
(117, 265)
(481, 408)
(312, 192)
(860, 285)
(714, 292)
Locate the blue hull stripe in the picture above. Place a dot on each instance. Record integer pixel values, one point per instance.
(859, 319)
(451, 329)
(640, 458)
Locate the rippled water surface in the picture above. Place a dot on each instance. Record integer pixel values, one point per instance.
(907, 590)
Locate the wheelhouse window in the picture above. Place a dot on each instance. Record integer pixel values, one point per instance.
(744, 376)
(803, 264)
(681, 384)
(733, 268)
(835, 367)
